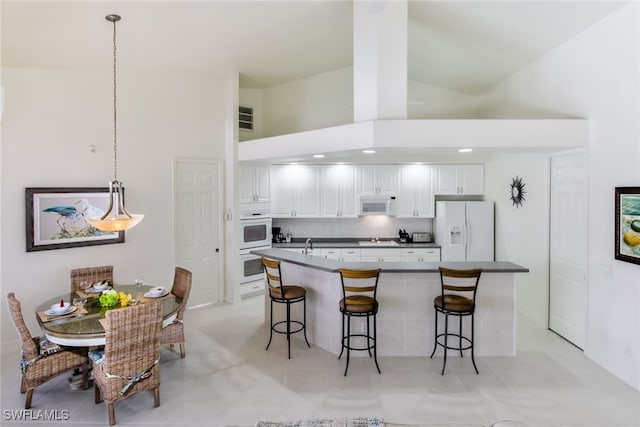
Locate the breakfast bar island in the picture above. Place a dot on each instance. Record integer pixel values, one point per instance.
(406, 291)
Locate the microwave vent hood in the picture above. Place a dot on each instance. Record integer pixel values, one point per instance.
(377, 205)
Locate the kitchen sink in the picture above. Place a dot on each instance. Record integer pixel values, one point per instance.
(378, 243)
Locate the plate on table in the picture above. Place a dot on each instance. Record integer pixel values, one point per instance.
(93, 290)
(164, 293)
(71, 309)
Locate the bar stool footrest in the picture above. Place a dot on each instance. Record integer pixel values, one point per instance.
(371, 342)
(455, 338)
(291, 332)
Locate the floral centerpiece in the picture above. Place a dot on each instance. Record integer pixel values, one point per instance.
(109, 298)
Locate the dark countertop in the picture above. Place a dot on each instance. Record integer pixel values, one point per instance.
(331, 265)
(351, 242)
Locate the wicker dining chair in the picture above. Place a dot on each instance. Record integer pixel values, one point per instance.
(39, 367)
(91, 275)
(174, 332)
(131, 355)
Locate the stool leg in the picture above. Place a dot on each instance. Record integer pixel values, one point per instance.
(289, 328)
(348, 343)
(435, 335)
(368, 346)
(342, 338)
(304, 325)
(375, 342)
(460, 337)
(472, 345)
(446, 344)
(270, 326)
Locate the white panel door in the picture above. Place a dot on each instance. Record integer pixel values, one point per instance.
(568, 247)
(198, 227)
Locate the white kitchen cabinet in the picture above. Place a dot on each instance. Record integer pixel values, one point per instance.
(251, 288)
(380, 255)
(254, 184)
(415, 192)
(342, 254)
(420, 254)
(459, 179)
(350, 254)
(378, 180)
(294, 191)
(338, 191)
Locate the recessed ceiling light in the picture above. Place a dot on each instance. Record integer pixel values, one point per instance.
(369, 151)
(318, 156)
(465, 150)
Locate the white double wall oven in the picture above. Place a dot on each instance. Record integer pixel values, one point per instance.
(255, 232)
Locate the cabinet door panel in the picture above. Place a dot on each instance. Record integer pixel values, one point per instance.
(305, 179)
(262, 184)
(282, 202)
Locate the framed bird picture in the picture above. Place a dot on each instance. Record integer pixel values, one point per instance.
(56, 218)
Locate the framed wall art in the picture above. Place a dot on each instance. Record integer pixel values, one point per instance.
(627, 224)
(55, 218)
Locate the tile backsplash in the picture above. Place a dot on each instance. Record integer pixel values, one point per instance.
(384, 227)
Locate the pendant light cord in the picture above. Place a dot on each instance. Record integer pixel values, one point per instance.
(115, 102)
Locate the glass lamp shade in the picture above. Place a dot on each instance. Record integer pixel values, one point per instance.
(120, 222)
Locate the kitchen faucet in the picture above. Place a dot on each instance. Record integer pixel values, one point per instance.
(308, 244)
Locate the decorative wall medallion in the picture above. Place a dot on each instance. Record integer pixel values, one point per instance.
(517, 191)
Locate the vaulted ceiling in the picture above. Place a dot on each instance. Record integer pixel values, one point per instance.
(467, 46)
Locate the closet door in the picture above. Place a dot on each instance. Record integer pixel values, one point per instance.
(568, 247)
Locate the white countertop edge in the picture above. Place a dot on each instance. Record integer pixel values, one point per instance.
(331, 265)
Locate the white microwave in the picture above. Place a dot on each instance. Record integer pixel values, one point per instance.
(378, 205)
(255, 231)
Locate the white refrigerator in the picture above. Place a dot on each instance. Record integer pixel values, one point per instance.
(464, 230)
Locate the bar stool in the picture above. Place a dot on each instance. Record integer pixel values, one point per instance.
(359, 300)
(288, 295)
(459, 300)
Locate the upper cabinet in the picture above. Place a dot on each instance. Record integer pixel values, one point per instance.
(459, 179)
(294, 190)
(254, 186)
(338, 191)
(415, 191)
(378, 180)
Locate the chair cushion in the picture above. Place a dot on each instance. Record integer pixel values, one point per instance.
(456, 303)
(290, 292)
(97, 357)
(46, 347)
(358, 304)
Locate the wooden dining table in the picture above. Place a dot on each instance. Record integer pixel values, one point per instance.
(83, 327)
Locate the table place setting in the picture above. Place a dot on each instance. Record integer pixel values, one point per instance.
(61, 310)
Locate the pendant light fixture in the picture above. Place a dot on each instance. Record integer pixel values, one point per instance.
(116, 218)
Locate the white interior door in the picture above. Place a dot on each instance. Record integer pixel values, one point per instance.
(568, 247)
(197, 199)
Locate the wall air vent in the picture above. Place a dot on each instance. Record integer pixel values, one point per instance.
(245, 117)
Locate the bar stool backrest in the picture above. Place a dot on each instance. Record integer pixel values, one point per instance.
(460, 282)
(273, 273)
(354, 282)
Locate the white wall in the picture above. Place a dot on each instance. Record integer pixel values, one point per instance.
(326, 100)
(51, 117)
(427, 101)
(316, 102)
(521, 233)
(596, 75)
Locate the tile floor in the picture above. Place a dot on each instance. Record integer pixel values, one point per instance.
(228, 378)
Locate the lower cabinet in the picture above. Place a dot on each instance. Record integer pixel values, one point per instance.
(377, 254)
(251, 288)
